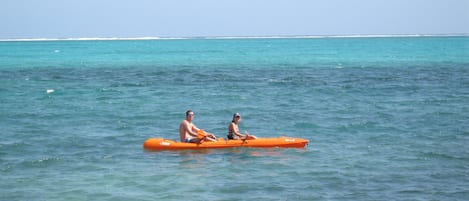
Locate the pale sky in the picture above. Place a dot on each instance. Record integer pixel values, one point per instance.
(192, 18)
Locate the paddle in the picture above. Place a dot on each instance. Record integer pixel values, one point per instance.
(201, 135)
(249, 136)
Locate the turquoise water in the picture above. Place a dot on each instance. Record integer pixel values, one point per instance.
(387, 118)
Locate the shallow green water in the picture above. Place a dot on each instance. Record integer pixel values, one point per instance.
(387, 118)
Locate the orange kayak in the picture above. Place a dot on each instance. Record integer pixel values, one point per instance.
(285, 142)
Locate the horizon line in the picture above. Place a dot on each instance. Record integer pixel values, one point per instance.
(233, 37)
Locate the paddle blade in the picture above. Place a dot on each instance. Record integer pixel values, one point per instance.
(200, 133)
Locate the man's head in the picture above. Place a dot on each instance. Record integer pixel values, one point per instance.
(189, 115)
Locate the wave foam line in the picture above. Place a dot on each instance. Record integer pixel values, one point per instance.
(241, 37)
(81, 39)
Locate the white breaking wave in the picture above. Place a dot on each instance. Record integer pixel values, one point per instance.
(237, 37)
(81, 39)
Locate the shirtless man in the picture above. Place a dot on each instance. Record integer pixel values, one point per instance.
(188, 131)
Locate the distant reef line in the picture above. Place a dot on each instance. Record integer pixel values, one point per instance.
(237, 37)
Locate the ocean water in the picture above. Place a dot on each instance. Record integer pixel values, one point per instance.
(387, 118)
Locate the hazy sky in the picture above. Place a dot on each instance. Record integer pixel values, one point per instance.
(183, 18)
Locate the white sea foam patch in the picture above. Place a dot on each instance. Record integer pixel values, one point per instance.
(49, 91)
